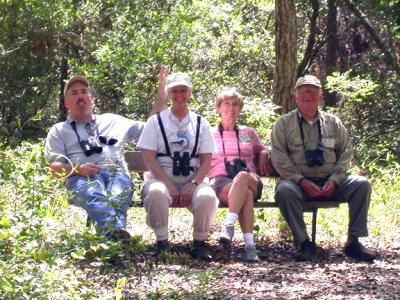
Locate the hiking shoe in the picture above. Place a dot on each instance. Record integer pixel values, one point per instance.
(162, 247)
(200, 251)
(226, 234)
(251, 254)
(305, 252)
(356, 250)
(119, 234)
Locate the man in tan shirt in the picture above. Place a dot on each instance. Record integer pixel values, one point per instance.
(312, 152)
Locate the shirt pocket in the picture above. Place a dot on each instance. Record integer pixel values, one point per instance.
(329, 152)
(296, 151)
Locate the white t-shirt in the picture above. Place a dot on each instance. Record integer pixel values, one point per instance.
(181, 137)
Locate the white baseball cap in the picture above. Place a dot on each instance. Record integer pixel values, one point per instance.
(179, 78)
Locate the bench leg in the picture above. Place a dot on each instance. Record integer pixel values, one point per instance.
(314, 224)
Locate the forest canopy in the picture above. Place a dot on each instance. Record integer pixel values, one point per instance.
(353, 46)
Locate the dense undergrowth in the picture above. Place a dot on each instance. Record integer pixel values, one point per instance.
(46, 251)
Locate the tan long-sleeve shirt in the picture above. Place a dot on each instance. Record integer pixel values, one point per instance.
(288, 152)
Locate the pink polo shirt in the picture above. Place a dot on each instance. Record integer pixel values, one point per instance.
(250, 147)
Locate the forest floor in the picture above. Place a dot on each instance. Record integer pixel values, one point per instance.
(330, 276)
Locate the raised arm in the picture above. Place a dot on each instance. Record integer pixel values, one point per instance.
(162, 95)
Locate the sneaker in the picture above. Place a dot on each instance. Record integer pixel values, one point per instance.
(356, 250)
(305, 252)
(200, 251)
(226, 234)
(162, 247)
(251, 254)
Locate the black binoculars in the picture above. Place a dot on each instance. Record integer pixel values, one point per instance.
(107, 141)
(315, 157)
(238, 166)
(90, 146)
(181, 164)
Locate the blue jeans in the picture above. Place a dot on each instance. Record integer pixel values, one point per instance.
(105, 197)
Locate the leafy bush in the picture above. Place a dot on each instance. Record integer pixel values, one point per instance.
(370, 112)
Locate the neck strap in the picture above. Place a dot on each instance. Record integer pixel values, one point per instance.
(73, 125)
(167, 149)
(221, 132)
(300, 121)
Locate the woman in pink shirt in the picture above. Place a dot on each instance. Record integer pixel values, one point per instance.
(232, 171)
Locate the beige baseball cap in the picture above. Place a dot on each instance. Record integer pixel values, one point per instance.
(73, 79)
(308, 80)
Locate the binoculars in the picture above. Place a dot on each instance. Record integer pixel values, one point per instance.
(181, 164)
(238, 166)
(315, 157)
(90, 146)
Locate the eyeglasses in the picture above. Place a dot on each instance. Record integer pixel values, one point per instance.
(230, 103)
(308, 92)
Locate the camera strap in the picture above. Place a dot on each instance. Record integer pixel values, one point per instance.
(167, 149)
(301, 119)
(221, 132)
(73, 125)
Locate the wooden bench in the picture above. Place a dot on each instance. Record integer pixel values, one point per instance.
(135, 163)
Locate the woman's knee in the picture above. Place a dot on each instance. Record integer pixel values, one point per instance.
(242, 178)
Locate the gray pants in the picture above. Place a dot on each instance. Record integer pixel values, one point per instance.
(355, 190)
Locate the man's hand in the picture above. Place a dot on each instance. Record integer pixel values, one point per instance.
(162, 95)
(310, 188)
(328, 189)
(162, 83)
(263, 163)
(88, 169)
(186, 195)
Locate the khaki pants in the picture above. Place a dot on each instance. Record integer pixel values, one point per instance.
(157, 200)
(355, 190)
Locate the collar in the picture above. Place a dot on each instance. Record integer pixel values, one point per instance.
(173, 118)
(318, 116)
(71, 119)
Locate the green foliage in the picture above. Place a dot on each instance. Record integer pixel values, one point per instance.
(370, 112)
(119, 46)
(37, 258)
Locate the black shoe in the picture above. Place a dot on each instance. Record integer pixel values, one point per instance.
(305, 252)
(356, 250)
(119, 235)
(162, 247)
(200, 251)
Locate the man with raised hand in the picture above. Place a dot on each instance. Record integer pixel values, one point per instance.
(87, 149)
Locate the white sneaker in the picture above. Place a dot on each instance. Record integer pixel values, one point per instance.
(226, 234)
(251, 254)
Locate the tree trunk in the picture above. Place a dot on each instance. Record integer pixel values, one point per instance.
(285, 47)
(332, 47)
(63, 78)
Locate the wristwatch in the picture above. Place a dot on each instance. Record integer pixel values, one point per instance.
(195, 182)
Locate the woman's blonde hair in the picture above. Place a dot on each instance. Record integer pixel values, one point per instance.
(229, 93)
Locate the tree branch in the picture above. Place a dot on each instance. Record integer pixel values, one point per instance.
(308, 54)
(389, 57)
